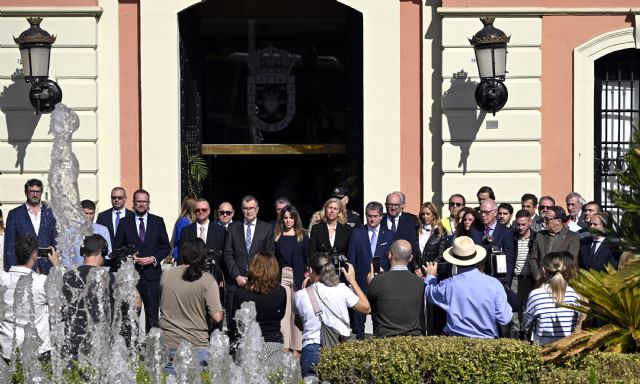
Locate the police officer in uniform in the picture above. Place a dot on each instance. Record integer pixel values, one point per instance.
(353, 217)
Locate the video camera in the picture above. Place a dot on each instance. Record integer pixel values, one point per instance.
(118, 256)
(496, 263)
(212, 256)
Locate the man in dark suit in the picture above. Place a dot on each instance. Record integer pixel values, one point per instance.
(148, 234)
(556, 237)
(225, 214)
(402, 224)
(494, 235)
(112, 216)
(31, 219)
(366, 242)
(244, 239)
(595, 251)
(212, 234)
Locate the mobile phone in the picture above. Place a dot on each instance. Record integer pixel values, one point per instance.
(43, 252)
(376, 264)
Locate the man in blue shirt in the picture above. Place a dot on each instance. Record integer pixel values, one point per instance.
(475, 303)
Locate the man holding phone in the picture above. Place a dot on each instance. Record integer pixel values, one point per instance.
(396, 297)
(366, 243)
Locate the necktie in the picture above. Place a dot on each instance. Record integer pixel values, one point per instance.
(203, 234)
(594, 246)
(393, 225)
(486, 232)
(117, 221)
(141, 231)
(247, 238)
(374, 240)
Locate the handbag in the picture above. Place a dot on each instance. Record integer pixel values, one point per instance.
(329, 336)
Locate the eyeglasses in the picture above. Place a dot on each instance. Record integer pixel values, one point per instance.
(198, 210)
(392, 205)
(249, 209)
(225, 213)
(35, 191)
(118, 197)
(543, 207)
(455, 204)
(487, 212)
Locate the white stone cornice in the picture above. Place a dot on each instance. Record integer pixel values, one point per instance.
(50, 11)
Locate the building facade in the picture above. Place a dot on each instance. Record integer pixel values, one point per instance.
(376, 95)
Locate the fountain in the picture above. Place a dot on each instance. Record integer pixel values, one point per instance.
(112, 351)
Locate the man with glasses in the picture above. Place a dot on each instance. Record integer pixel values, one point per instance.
(456, 203)
(112, 216)
(556, 237)
(494, 235)
(148, 234)
(212, 235)
(546, 202)
(402, 224)
(225, 214)
(575, 201)
(33, 218)
(244, 239)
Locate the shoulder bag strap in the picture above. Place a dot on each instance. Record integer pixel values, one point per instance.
(329, 308)
(314, 302)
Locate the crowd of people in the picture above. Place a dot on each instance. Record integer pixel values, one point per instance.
(478, 272)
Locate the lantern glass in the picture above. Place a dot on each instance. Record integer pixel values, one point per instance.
(492, 61)
(35, 61)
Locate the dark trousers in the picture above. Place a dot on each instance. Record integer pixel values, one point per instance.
(150, 293)
(232, 329)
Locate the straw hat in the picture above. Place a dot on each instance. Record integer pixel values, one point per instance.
(464, 252)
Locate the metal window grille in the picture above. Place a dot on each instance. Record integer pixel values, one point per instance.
(617, 114)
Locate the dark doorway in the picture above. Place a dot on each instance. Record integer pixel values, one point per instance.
(271, 95)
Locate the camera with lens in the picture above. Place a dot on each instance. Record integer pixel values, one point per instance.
(118, 256)
(496, 264)
(213, 257)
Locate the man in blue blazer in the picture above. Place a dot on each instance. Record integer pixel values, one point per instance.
(112, 216)
(403, 224)
(366, 242)
(148, 234)
(34, 219)
(494, 235)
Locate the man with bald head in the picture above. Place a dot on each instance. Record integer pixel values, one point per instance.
(402, 224)
(494, 235)
(225, 214)
(396, 297)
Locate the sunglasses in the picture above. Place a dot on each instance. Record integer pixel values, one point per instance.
(198, 210)
(543, 207)
(455, 204)
(118, 197)
(225, 213)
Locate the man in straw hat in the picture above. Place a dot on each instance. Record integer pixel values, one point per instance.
(475, 303)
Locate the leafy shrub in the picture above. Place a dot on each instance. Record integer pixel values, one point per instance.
(613, 368)
(431, 360)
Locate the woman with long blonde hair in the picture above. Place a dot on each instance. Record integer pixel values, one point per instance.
(331, 234)
(292, 252)
(186, 217)
(543, 314)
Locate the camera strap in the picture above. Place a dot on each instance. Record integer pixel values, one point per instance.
(312, 291)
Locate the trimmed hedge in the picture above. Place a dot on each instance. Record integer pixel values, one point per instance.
(599, 367)
(431, 359)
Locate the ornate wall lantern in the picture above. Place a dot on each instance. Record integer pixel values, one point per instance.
(35, 49)
(490, 46)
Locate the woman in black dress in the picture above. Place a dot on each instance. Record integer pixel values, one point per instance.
(292, 251)
(432, 242)
(331, 234)
(264, 289)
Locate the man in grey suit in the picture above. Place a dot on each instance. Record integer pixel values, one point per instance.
(556, 237)
(244, 239)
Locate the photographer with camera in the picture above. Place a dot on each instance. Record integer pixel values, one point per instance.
(332, 300)
(368, 246)
(26, 253)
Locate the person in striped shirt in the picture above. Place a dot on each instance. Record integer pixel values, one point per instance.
(543, 315)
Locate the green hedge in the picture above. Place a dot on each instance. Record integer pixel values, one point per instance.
(431, 360)
(596, 368)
